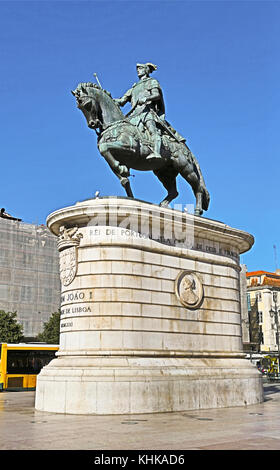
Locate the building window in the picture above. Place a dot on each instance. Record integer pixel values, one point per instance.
(48, 294)
(260, 317)
(4, 292)
(261, 335)
(26, 293)
(249, 302)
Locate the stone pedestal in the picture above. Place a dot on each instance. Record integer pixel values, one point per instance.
(150, 312)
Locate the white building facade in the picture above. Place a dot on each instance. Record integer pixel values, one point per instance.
(264, 306)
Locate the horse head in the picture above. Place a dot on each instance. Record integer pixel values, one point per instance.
(97, 105)
(87, 102)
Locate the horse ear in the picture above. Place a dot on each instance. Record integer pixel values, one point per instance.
(73, 93)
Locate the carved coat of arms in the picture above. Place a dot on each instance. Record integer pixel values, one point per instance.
(68, 241)
(68, 265)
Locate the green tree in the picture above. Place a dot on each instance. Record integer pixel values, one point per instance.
(10, 330)
(50, 333)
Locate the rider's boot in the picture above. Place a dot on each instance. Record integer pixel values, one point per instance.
(156, 152)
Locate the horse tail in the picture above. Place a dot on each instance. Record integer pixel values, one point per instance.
(205, 199)
(205, 193)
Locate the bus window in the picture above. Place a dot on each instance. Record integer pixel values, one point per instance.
(21, 363)
(27, 362)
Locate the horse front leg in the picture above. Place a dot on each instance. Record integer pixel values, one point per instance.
(121, 171)
(126, 184)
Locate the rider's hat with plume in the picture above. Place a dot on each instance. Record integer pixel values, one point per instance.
(149, 65)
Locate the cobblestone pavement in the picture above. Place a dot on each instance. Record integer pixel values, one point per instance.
(255, 427)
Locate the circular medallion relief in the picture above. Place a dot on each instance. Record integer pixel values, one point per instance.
(189, 289)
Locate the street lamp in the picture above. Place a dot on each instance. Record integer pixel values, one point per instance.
(274, 312)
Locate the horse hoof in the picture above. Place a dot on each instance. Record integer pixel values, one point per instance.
(123, 170)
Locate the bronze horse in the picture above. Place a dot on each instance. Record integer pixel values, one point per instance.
(124, 146)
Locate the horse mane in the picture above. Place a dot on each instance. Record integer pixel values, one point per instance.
(111, 110)
(93, 85)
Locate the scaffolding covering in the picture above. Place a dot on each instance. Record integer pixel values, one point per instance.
(29, 273)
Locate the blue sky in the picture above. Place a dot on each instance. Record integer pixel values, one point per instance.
(218, 65)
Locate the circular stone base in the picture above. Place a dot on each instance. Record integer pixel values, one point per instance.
(125, 385)
(150, 312)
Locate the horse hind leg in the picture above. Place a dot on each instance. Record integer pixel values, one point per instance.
(192, 177)
(198, 207)
(167, 177)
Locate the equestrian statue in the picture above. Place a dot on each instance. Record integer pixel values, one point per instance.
(142, 139)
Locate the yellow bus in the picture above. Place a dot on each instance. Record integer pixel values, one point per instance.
(21, 363)
(270, 364)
